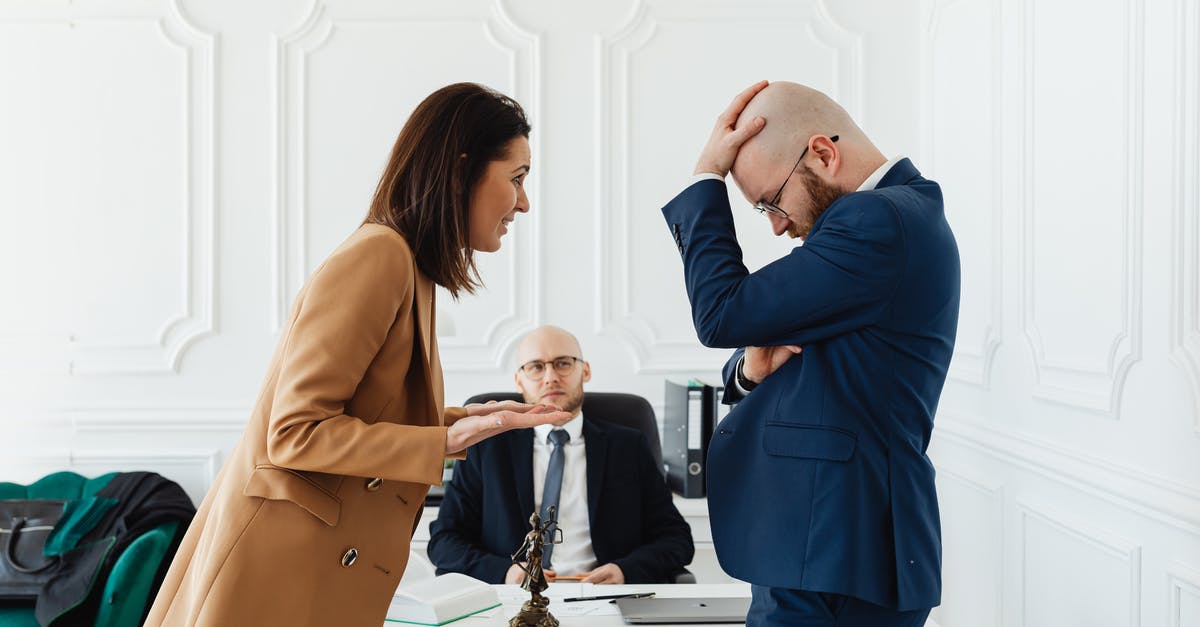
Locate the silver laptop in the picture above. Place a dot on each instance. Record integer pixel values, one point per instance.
(656, 611)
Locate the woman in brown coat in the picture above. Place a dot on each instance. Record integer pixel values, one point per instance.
(309, 521)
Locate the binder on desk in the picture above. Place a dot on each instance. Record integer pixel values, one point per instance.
(690, 413)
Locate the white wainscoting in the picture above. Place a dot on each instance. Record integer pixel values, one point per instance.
(171, 171)
(1066, 441)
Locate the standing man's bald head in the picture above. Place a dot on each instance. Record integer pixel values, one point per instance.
(794, 113)
(799, 117)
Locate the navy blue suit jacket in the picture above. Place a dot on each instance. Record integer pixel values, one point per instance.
(818, 479)
(485, 512)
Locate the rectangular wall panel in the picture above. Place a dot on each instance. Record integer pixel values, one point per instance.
(972, 551)
(1071, 576)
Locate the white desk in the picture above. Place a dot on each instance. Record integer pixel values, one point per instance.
(592, 613)
(596, 613)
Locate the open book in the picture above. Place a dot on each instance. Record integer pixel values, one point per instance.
(441, 600)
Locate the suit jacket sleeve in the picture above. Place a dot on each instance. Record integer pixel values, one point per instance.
(669, 547)
(454, 538)
(841, 279)
(729, 375)
(347, 312)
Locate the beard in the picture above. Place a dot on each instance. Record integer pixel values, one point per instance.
(570, 401)
(820, 196)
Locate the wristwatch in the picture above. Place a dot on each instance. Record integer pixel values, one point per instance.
(746, 384)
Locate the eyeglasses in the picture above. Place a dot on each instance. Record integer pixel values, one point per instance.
(563, 366)
(763, 206)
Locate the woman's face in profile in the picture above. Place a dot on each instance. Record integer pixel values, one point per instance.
(499, 196)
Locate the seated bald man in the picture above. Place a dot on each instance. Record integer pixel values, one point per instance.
(842, 350)
(614, 509)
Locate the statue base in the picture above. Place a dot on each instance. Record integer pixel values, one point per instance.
(534, 615)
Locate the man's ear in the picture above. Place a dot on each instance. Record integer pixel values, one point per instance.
(517, 381)
(827, 151)
(587, 372)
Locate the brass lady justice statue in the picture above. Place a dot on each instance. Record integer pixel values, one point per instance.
(536, 611)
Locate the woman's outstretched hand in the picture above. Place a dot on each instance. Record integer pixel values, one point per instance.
(492, 418)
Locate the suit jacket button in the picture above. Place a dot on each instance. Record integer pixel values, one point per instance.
(374, 484)
(349, 557)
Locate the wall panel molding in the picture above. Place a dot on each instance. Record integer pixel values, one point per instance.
(1128, 488)
(1093, 386)
(614, 204)
(160, 350)
(974, 353)
(1101, 542)
(194, 469)
(293, 53)
(991, 536)
(157, 418)
(1185, 266)
(1183, 583)
(525, 302)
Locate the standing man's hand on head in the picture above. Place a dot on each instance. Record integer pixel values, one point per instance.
(722, 147)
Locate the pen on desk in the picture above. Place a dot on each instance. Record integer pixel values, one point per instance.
(632, 595)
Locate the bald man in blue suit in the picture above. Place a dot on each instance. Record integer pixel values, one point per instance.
(842, 350)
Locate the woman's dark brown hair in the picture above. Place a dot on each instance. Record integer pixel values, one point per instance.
(425, 190)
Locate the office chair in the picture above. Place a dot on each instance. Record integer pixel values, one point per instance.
(626, 410)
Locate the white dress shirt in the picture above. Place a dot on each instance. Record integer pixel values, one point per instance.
(575, 554)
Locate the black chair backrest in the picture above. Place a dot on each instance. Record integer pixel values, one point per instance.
(626, 410)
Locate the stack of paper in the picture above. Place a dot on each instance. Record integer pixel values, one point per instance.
(441, 600)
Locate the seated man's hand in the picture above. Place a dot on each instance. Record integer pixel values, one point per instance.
(608, 573)
(516, 574)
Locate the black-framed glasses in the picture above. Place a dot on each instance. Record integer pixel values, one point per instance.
(763, 206)
(563, 365)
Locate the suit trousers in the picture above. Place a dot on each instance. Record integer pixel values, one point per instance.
(784, 607)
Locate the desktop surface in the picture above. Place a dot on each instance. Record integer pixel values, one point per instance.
(600, 613)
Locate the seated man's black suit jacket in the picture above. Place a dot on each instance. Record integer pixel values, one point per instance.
(485, 512)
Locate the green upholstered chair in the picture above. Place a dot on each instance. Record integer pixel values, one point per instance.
(127, 591)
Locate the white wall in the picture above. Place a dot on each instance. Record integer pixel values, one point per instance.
(171, 171)
(1068, 446)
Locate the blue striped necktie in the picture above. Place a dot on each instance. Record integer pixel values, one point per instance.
(553, 488)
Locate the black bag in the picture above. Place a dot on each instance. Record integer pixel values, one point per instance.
(25, 524)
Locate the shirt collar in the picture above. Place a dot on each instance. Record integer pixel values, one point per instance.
(574, 428)
(878, 174)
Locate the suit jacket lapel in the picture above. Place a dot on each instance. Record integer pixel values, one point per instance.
(520, 444)
(596, 451)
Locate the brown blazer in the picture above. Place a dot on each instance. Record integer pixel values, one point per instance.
(310, 519)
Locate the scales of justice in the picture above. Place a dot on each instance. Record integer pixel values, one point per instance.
(536, 611)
